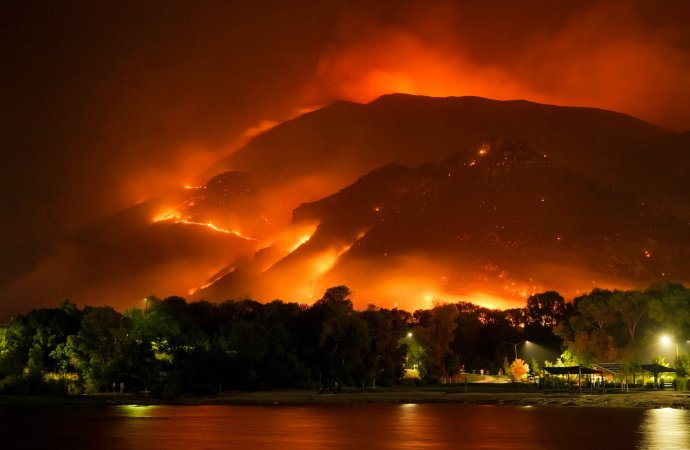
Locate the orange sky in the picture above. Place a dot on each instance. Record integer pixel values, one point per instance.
(606, 54)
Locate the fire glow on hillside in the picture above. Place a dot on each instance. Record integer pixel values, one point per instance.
(342, 246)
(176, 218)
(242, 149)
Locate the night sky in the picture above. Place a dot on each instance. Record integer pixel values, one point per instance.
(106, 105)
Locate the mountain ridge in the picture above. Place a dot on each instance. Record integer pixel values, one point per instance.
(254, 207)
(395, 211)
(402, 124)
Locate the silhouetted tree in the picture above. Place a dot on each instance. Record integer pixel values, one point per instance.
(386, 356)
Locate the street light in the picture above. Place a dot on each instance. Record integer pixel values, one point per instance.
(515, 346)
(666, 340)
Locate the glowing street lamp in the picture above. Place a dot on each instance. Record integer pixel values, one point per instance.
(414, 351)
(515, 346)
(666, 340)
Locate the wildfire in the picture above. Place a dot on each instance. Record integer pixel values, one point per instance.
(219, 229)
(301, 241)
(167, 216)
(197, 289)
(325, 262)
(211, 281)
(176, 218)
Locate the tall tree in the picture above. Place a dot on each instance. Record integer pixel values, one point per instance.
(386, 329)
(99, 348)
(436, 335)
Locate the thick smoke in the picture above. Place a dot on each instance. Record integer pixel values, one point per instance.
(623, 56)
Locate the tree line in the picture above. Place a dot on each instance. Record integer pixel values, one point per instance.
(632, 327)
(171, 347)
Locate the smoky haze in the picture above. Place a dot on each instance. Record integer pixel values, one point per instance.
(623, 56)
(105, 106)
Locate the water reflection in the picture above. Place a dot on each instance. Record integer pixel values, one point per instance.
(665, 429)
(138, 410)
(385, 427)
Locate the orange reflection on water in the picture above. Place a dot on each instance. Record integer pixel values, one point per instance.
(343, 425)
(666, 428)
(388, 426)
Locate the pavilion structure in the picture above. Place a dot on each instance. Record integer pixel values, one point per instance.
(573, 370)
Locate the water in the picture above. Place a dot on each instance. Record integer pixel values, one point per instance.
(398, 427)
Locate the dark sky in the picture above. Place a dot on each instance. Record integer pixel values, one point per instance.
(106, 104)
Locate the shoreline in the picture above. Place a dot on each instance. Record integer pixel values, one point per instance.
(637, 399)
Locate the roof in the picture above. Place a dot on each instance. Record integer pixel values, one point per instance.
(614, 368)
(656, 368)
(571, 369)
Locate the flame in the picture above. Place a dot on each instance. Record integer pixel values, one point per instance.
(301, 241)
(328, 259)
(211, 281)
(325, 262)
(285, 243)
(295, 237)
(171, 215)
(219, 229)
(176, 218)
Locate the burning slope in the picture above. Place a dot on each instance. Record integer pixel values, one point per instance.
(310, 157)
(344, 140)
(323, 151)
(236, 232)
(493, 227)
(176, 219)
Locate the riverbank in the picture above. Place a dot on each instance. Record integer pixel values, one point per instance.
(636, 399)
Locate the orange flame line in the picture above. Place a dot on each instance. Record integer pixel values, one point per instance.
(176, 219)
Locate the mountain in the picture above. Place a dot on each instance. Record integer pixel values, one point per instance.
(125, 257)
(347, 139)
(323, 151)
(493, 227)
(265, 210)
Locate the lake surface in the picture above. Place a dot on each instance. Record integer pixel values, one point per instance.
(342, 427)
